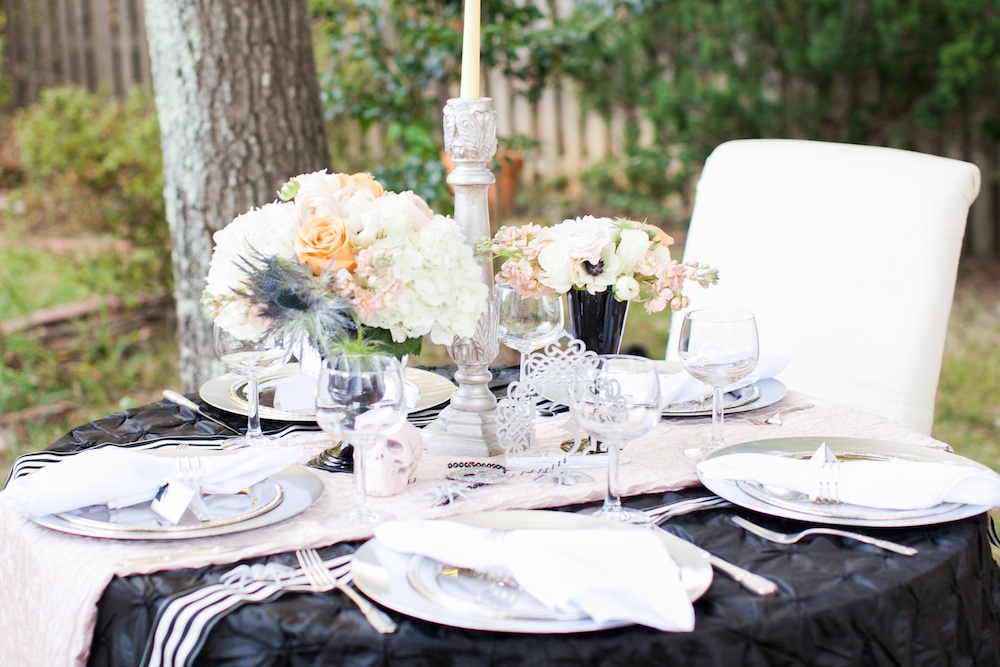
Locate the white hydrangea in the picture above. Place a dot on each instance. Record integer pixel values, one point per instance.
(268, 230)
(443, 292)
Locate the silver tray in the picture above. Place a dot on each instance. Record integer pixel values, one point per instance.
(385, 576)
(781, 503)
(228, 392)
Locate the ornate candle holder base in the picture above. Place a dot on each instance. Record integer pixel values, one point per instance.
(457, 433)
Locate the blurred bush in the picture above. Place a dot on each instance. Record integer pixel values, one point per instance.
(92, 163)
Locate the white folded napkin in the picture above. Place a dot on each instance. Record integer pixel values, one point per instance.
(681, 387)
(119, 477)
(609, 574)
(898, 485)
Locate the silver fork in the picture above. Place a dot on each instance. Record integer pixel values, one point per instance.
(775, 419)
(791, 538)
(660, 514)
(321, 580)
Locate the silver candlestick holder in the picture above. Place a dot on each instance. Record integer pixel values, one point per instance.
(467, 427)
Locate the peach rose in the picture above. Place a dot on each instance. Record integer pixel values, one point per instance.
(322, 244)
(362, 180)
(659, 235)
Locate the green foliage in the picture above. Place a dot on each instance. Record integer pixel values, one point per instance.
(93, 163)
(393, 61)
(704, 72)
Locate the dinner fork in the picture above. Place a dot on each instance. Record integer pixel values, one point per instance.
(321, 580)
(791, 538)
(775, 419)
(662, 513)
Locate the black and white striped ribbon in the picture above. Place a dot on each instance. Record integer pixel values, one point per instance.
(184, 621)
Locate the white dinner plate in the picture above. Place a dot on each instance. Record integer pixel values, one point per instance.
(780, 502)
(387, 577)
(300, 488)
(227, 392)
(770, 392)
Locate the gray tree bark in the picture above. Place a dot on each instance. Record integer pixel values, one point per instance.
(240, 113)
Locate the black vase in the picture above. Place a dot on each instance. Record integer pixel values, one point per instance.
(597, 319)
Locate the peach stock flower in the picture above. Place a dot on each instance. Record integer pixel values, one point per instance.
(322, 244)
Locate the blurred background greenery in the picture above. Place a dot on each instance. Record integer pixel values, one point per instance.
(81, 179)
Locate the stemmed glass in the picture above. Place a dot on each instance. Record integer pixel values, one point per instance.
(528, 323)
(253, 359)
(616, 398)
(360, 399)
(718, 346)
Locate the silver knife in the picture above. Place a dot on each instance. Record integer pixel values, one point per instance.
(750, 581)
(184, 402)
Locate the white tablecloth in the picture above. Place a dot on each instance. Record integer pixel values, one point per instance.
(52, 582)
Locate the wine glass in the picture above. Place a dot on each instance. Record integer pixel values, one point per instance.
(528, 323)
(360, 399)
(251, 358)
(616, 398)
(718, 346)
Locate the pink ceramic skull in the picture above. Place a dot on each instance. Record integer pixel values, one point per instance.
(391, 463)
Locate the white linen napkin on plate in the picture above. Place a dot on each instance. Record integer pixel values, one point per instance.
(897, 485)
(681, 387)
(609, 574)
(119, 477)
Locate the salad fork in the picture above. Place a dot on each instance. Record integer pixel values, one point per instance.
(322, 580)
(791, 538)
(775, 419)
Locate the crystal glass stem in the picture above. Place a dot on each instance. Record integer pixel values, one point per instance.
(717, 441)
(361, 513)
(253, 410)
(612, 499)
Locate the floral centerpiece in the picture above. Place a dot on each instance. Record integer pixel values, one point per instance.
(338, 260)
(597, 262)
(630, 258)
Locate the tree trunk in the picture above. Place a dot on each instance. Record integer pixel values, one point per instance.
(239, 110)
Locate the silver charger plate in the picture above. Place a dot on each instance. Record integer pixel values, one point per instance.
(760, 395)
(387, 577)
(228, 392)
(299, 487)
(224, 509)
(782, 503)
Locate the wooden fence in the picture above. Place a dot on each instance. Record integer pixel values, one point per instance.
(101, 44)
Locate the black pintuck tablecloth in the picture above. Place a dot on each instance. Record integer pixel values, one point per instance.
(840, 602)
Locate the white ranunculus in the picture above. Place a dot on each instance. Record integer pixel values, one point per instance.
(632, 247)
(317, 195)
(560, 271)
(583, 238)
(626, 288)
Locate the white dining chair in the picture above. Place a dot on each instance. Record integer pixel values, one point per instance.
(848, 257)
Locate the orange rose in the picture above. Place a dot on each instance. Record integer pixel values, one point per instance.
(659, 235)
(362, 180)
(323, 246)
